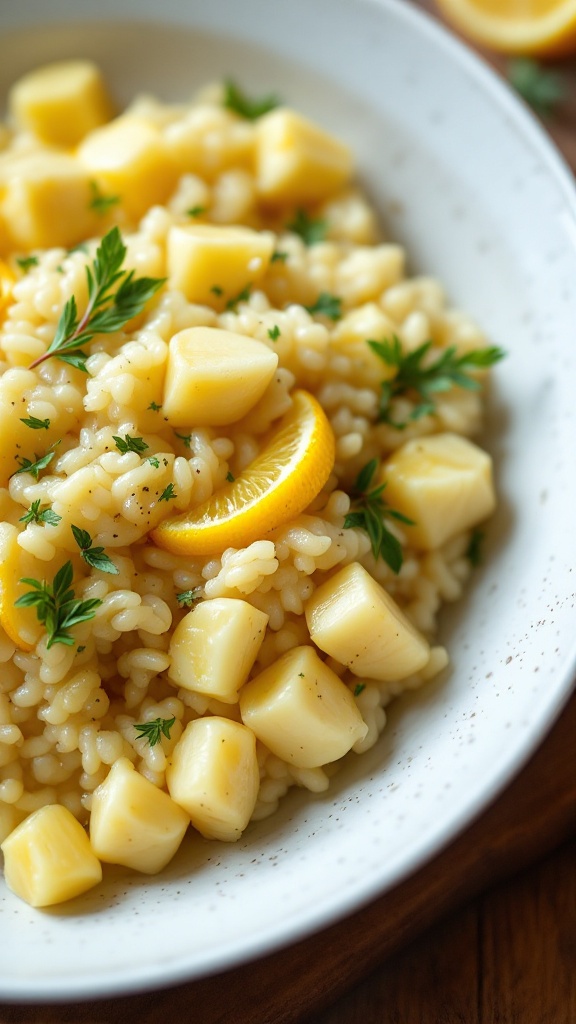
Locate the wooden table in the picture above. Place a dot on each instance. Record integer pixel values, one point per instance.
(485, 934)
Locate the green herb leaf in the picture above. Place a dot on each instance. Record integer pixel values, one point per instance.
(168, 493)
(279, 257)
(35, 515)
(242, 296)
(420, 378)
(57, 608)
(154, 730)
(101, 203)
(474, 552)
(107, 311)
(196, 211)
(235, 99)
(130, 444)
(154, 461)
(26, 262)
(217, 290)
(35, 468)
(186, 598)
(274, 333)
(310, 229)
(543, 90)
(359, 688)
(35, 424)
(230, 477)
(154, 407)
(369, 511)
(185, 438)
(326, 305)
(94, 556)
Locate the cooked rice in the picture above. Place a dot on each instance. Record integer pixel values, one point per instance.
(68, 713)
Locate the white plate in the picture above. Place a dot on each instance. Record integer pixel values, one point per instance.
(467, 180)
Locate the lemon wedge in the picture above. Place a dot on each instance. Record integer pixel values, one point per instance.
(283, 479)
(7, 280)
(537, 28)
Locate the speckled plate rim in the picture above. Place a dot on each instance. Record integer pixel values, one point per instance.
(524, 742)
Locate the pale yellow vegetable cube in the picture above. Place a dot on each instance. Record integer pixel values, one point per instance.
(301, 710)
(214, 377)
(296, 161)
(215, 645)
(61, 102)
(48, 858)
(128, 158)
(208, 262)
(443, 483)
(46, 201)
(133, 822)
(350, 339)
(353, 619)
(213, 774)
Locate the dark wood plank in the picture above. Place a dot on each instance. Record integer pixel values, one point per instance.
(508, 958)
(529, 946)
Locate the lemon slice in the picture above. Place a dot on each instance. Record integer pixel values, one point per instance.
(7, 280)
(282, 480)
(538, 28)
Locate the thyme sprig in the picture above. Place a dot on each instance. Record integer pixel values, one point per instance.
(369, 513)
(154, 730)
(96, 557)
(37, 515)
(107, 310)
(420, 377)
(57, 607)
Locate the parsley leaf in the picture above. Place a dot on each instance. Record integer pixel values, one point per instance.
(242, 296)
(99, 202)
(274, 333)
(130, 444)
(154, 730)
(186, 598)
(185, 438)
(543, 90)
(35, 468)
(168, 493)
(196, 211)
(279, 257)
(26, 262)
(56, 605)
(154, 407)
(235, 99)
(418, 376)
(35, 424)
(326, 305)
(154, 461)
(35, 515)
(310, 229)
(106, 311)
(94, 556)
(369, 511)
(359, 688)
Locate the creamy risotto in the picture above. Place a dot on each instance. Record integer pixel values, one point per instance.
(237, 480)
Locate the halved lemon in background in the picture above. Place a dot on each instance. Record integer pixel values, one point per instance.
(280, 483)
(530, 27)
